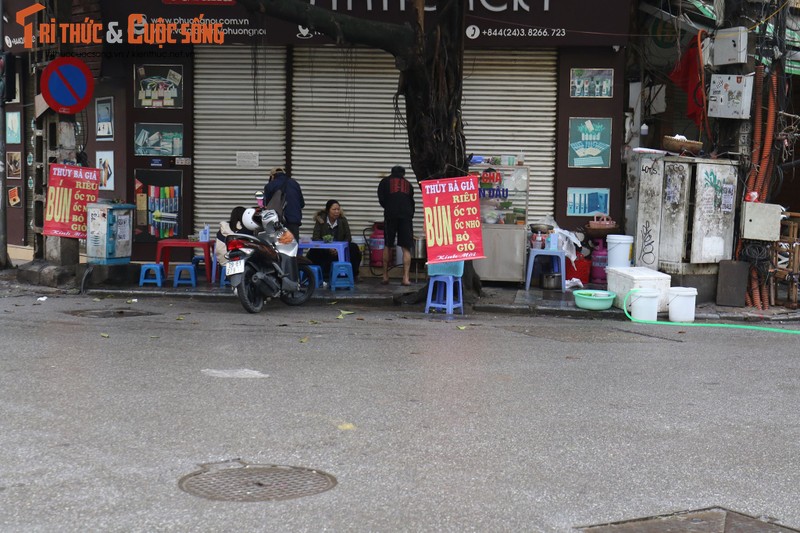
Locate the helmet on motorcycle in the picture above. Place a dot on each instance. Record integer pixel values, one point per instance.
(247, 219)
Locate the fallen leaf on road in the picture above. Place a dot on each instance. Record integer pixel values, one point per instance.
(304, 339)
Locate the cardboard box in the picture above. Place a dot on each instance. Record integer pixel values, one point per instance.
(622, 280)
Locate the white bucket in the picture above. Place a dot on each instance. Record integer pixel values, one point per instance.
(619, 250)
(644, 304)
(681, 304)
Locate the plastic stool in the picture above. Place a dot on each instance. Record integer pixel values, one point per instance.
(558, 265)
(192, 280)
(442, 294)
(317, 270)
(223, 279)
(342, 276)
(158, 274)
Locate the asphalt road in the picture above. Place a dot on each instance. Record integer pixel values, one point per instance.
(476, 423)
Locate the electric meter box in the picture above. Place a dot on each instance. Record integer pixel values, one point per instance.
(761, 222)
(730, 96)
(109, 233)
(730, 46)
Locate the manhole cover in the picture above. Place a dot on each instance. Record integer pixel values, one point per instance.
(713, 520)
(109, 313)
(237, 481)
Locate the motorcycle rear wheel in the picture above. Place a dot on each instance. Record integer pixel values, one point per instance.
(306, 289)
(251, 298)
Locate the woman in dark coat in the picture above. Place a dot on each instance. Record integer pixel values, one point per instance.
(331, 225)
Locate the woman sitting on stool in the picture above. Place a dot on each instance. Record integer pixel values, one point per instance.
(331, 225)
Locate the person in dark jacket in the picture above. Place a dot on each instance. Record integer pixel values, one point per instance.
(293, 213)
(396, 196)
(331, 225)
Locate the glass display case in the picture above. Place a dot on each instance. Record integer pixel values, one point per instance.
(503, 195)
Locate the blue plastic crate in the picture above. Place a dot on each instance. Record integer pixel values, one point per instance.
(454, 268)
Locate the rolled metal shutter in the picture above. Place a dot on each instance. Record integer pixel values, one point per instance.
(509, 107)
(227, 121)
(346, 134)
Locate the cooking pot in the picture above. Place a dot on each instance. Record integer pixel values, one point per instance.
(543, 228)
(420, 250)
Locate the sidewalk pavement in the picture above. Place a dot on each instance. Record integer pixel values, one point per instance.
(497, 298)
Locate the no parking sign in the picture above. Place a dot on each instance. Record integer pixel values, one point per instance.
(67, 85)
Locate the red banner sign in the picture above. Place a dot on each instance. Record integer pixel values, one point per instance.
(452, 219)
(69, 190)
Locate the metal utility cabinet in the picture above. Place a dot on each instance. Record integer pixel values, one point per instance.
(109, 233)
(682, 219)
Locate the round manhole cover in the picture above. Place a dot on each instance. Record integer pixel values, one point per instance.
(110, 313)
(256, 483)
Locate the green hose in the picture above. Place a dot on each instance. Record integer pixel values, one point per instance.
(692, 324)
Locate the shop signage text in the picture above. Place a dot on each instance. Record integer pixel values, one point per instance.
(69, 190)
(452, 219)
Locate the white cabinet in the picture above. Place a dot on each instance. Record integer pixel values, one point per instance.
(505, 248)
(504, 212)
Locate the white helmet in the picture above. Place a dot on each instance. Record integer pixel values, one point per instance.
(247, 219)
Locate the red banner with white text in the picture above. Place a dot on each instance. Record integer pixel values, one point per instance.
(69, 189)
(452, 219)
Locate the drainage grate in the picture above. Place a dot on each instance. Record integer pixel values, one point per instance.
(238, 481)
(109, 313)
(713, 520)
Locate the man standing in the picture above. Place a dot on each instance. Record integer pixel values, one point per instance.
(292, 196)
(396, 196)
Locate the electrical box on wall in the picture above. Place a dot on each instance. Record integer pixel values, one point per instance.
(730, 96)
(761, 222)
(730, 46)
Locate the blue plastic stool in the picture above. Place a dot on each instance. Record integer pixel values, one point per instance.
(443, 278)
(559, 265)
(158, 274)
(223, 279)
(442, 294)
(317, 270)
(191, 280)
(342, 276)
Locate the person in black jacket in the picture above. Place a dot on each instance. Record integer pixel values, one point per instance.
(293, 196)
(396, 196)
(331, 224)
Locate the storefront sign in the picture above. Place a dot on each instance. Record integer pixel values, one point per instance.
(452, 219)
(69, 190)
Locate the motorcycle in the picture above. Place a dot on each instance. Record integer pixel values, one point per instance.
(266, 265)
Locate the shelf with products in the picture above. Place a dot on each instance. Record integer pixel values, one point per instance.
(503, 199)
(503, 193)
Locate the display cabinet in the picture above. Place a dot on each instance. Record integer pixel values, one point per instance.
(503, 194)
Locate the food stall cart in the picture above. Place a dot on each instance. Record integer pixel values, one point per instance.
(504, 213)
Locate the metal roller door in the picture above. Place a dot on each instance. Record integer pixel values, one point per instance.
(346, 134)
(227, 121)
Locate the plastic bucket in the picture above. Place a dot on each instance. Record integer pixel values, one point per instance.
(619, 250)
(681, 304)
(644, 304)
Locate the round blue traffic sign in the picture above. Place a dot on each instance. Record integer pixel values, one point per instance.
(67, 85)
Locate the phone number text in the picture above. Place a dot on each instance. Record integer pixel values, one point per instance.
(524, 32)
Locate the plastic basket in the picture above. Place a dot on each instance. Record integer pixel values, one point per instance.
(454, 268)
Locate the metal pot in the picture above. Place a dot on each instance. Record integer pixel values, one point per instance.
(551, 281)
(543, 228)
(420, 250)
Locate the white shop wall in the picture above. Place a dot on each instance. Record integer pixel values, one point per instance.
(345, 134)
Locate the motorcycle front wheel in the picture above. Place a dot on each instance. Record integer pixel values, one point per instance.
(251, 298)
(306, 289)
